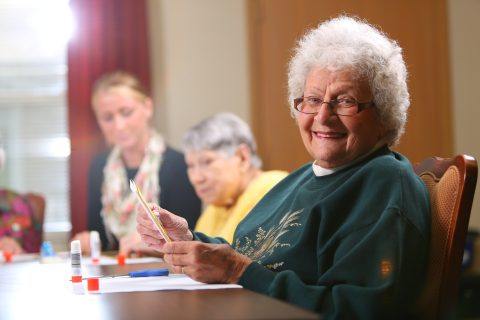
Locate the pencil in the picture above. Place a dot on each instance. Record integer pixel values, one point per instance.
(156, 221)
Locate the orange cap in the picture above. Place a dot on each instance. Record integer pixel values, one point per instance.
(121, 259)
(93, 284)
(7, 255)
(76, 278)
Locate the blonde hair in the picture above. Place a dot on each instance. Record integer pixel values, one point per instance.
(118, 79)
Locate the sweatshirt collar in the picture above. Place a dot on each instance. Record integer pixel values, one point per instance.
(320, 171)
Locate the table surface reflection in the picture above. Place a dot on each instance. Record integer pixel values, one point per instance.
(30, 290)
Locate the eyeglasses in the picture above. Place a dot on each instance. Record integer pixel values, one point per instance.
(341, 107)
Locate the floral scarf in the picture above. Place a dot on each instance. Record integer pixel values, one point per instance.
(118, 202)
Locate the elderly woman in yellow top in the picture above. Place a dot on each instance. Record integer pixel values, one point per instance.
(224, 169)
(346, 235)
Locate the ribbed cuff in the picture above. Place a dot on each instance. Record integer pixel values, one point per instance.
(195, 235)
(198, 236)
(257, 278)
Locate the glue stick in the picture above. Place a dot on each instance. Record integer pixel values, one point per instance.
(95, 247)
(76, 257)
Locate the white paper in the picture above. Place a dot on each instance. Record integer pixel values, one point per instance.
(23, 257)
(65, 256)
(108, 261)
(171, 282)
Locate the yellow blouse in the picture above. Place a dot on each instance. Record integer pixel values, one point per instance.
(222, 222)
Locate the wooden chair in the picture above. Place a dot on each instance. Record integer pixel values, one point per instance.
(451, 184)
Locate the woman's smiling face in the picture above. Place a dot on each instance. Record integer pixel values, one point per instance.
(334, 140)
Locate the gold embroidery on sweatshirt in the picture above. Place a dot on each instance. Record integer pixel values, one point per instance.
(266, 242)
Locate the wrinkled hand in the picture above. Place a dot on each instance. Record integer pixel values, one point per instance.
(175, 226)
(84, 238)
(209, 263)
(11, 245)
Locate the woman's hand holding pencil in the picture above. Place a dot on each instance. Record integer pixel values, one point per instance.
(176, 227)
(209, 263)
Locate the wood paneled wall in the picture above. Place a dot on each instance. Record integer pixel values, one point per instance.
(420, 27)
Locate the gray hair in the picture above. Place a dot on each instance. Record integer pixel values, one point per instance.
(223, 132)
(349, 43)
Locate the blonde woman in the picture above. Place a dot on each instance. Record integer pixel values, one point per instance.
(124, 110)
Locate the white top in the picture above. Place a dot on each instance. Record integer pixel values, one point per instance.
(321, 171)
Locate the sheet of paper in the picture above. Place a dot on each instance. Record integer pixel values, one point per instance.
(64, 256)
(23, 257)
(172, 282)
(108, 261)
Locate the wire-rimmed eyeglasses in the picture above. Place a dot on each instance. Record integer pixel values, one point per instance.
(342, 106)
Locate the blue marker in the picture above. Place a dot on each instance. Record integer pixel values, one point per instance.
(149, 273)
(143, 273)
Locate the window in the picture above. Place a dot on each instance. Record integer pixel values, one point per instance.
(33, 112)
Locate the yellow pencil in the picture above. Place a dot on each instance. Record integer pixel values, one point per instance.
(153, 217)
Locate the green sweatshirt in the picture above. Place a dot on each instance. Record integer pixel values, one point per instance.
(352, 244)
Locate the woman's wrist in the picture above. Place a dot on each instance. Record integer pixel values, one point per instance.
(238, 268)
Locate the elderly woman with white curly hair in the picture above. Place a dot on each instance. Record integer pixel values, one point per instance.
(346, 235)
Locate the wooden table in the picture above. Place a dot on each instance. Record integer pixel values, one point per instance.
(30, 290)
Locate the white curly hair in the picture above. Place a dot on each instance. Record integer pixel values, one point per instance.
(350, 43)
